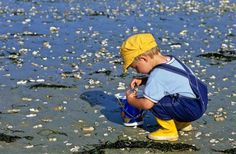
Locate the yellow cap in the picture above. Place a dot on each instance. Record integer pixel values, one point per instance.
(134, 46)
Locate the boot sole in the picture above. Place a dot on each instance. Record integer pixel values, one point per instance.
(133, 124)
(163, 138)
(186, 129)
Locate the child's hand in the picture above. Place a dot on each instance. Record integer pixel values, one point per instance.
(135, 82)
(131, 94)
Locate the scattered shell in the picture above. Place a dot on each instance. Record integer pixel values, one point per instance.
(13, 110)
(21, 82)
(34, 110)
(26, 99)
(59, 108)
(52, 139)
(29, 146)
(219, 118)
(75, 149)
(121, 86)
(105, 134)
(38, 126)
(31, 115)
(233, 103)
(47, 45)
(88, 129)
(54, 29)
(198, 134)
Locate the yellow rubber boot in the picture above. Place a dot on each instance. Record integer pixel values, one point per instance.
(167, 132)
(183, 126)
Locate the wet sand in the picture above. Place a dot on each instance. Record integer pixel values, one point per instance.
(60, 68)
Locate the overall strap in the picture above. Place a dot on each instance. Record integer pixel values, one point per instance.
(183, 65)
(173, 69)
(187, 73)
(198, 87)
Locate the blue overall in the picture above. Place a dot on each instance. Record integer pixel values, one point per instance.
(178, 107)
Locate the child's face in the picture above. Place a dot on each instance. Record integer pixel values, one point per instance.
(142, 65)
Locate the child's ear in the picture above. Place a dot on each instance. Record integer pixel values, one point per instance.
(145, 58)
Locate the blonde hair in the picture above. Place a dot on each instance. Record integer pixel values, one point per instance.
(150, 53)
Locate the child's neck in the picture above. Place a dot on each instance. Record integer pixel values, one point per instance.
(159, 59)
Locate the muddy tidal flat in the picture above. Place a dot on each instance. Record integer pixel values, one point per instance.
(60, 69)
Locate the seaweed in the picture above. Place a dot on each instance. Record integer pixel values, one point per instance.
(47, 85)
(12, 138)
(106, 72)
(229, 151)
(49, 132)
(98, 13)
(26, 33)
(164, 147)
(218, 56)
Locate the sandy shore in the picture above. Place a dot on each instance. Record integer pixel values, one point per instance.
(60, 68)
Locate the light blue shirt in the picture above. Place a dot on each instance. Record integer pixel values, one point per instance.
(163, 82)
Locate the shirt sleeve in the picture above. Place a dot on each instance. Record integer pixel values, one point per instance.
(154, 89)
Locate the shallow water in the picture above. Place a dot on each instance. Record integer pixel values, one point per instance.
(74, 45)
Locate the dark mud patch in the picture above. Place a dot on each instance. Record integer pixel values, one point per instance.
(12, 138)
(229, 151)
(150, 145)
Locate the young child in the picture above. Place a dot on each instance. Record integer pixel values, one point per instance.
(172, 93)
